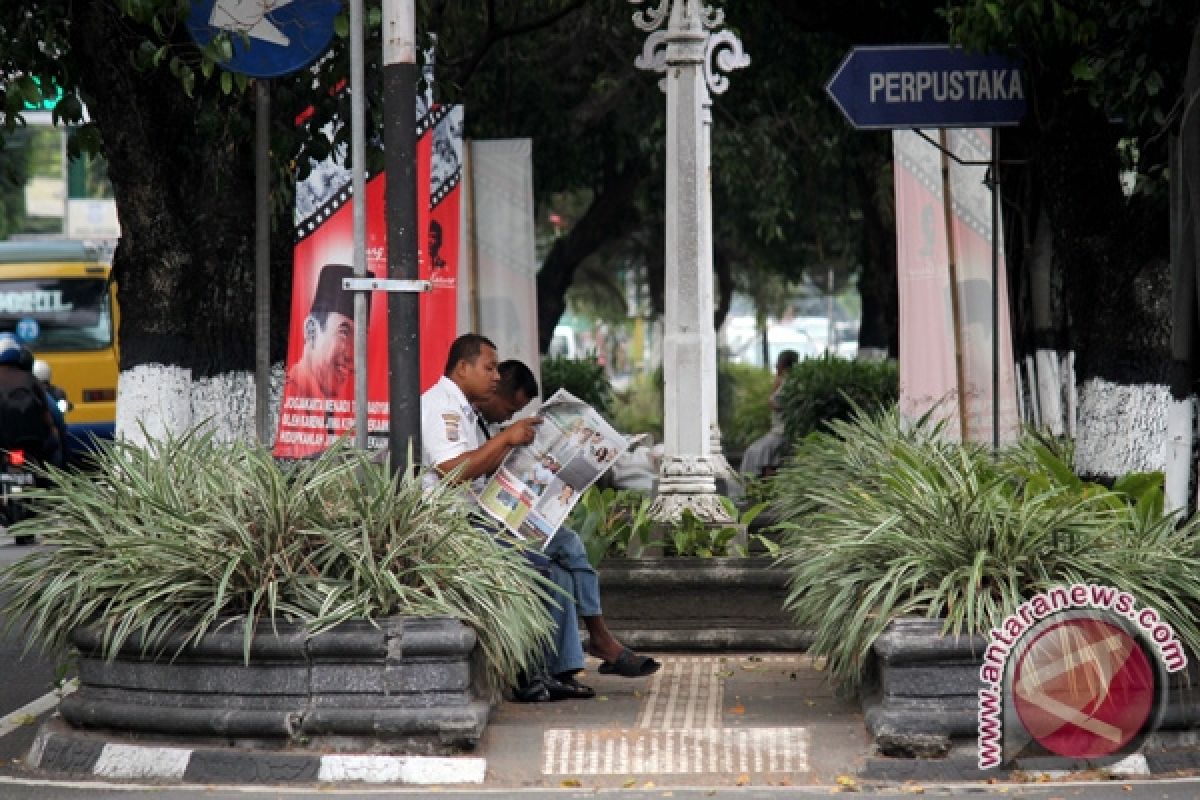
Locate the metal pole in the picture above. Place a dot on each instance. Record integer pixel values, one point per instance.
(400, 152)
(262, 258)
(995, 290)
(358, 183)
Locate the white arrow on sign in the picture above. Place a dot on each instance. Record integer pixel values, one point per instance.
(249, 17)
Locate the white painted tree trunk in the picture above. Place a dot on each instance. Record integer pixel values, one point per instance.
(155, 401)
(1121, 428)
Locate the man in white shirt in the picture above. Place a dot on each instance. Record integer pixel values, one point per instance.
(572, 570)
(453, 437)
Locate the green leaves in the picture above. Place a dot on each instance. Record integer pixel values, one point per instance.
(885, 520)
(188, 534)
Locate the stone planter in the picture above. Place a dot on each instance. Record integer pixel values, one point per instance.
(926, 697)
(404, 686)
(927, 691)
(699, 604)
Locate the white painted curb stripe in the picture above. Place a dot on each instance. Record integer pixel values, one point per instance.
(402, 769)
(47, 702)
(131, 761)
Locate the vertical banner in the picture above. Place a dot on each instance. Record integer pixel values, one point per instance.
(503, 216)
(318, 395)
(439, 196)
(944, 270)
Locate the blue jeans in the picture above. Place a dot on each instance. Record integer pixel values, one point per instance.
(565, 563)
(570, 571)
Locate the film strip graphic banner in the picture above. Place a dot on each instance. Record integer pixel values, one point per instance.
(318, 402)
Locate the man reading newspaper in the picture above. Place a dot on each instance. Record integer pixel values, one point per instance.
(454, 436)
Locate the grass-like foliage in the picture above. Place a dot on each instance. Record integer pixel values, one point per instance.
(186, 535)
(886, 520)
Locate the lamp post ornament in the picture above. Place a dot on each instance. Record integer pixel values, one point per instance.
(685, 46)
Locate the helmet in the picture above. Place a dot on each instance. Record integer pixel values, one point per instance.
(10, 349)
(41, 371)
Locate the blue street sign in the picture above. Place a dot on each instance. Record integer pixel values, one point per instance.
(28, 329)
(927, 86)
(270, 37)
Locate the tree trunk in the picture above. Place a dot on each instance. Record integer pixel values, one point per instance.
(610, 214)
(879, 330)
(185, 263)
(1111, 251)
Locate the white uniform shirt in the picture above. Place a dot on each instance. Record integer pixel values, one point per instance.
(449, 428)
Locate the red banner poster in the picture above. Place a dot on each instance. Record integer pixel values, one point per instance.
(318, 398)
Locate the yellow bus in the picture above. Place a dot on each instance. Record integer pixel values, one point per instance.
(57, 297)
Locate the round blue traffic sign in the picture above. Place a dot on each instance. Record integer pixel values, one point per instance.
(270, 37)
(28, 329)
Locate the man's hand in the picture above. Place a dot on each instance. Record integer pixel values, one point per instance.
(522, 431)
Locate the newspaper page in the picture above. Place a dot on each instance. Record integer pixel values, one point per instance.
(536, 487)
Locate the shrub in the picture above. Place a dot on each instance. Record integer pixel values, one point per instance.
(885, 522)
(583, 377)
(639, 409)
(186, 534)
(818, 390)
(743, 404)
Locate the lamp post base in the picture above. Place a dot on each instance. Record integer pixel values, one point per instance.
(687, 483)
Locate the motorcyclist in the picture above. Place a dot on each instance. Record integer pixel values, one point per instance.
(26, 422)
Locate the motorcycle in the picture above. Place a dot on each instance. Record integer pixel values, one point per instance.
(15, 479)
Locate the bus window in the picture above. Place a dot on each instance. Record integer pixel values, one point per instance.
(56, 315)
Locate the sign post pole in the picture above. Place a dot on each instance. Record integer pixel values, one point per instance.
(400, 152)
(262, 257)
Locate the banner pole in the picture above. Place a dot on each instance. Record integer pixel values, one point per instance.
(358, 183)
(262, 257)
(995, 170)
(955, 302)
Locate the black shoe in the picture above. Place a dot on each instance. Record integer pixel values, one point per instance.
(567, 688)
(532, 690)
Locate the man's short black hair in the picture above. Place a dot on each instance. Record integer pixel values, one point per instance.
(466, 348)
(515, 377)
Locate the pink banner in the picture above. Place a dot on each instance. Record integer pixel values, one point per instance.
(946, 339)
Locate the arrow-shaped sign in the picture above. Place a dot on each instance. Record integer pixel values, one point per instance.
(927, 86)
(249, 17)
(273, 37)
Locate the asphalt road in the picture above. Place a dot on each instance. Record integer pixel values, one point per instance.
(26, 677)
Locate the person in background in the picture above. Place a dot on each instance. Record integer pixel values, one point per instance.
(765, 454)
(26, 422)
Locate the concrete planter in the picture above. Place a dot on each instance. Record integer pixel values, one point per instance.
(699, 604)
(927, 691)
(926, 698)
(404, 686)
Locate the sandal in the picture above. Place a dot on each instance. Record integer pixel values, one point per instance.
(630, 665)
(567, 688)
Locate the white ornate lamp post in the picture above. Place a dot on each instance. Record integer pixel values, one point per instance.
(690, 56)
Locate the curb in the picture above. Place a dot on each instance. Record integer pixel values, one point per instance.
(961, 765)
(74, 753)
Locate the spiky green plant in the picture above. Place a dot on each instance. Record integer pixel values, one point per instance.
(887, 521)
(187, 534)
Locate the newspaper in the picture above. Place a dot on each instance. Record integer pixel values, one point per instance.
(536, 487)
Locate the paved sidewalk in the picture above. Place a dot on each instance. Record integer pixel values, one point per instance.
(702, 720)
